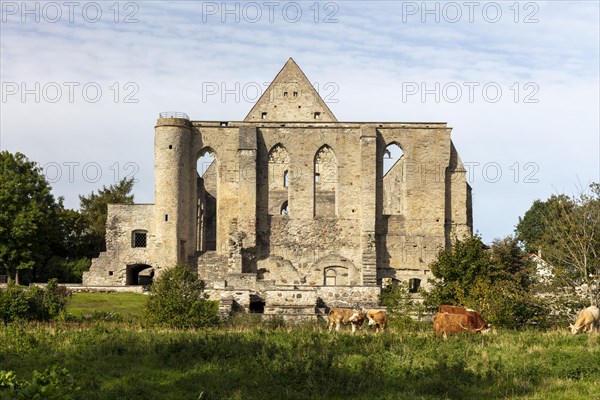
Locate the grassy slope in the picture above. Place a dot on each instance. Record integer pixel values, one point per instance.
(117, 361)
(126, 304)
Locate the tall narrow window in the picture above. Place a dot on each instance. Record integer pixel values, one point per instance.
(206, 192)
(279, 164)
(393, 179)
(330, 277)
(326, 181)
(391, 156)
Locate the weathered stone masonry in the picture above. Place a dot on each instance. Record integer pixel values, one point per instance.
(295, 207)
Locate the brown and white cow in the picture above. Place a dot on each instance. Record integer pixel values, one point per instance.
(588, 319)
(479, 321)
(444, 324)
(377, 318)
(345, 316)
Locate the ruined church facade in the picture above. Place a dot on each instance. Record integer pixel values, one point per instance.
(296, 208)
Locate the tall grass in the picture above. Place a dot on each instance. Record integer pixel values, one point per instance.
(238, 361)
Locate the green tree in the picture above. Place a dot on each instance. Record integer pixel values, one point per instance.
(571, 247)
(497, 280)
(27, 214)
(177, 300)
(532, 230)
(94, 209)
(457, 270)
(71, 248)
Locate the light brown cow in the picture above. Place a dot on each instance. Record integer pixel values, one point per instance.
(345, 316)
(377, 318)
(479, 321)
(444, 323)
(588, 319)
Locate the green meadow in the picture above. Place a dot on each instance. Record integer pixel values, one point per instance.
(249, 359)
(123, 304)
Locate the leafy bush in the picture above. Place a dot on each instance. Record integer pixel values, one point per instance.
(33, 304)
(177, 300)
(400, 304)
(52, 384)
(14, 305)
(497, 280)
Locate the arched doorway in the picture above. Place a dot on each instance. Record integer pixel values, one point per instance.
(139, 274)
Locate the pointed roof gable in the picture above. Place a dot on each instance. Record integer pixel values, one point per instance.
(290, 97)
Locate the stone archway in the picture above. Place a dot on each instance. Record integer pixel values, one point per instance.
(335, 270)
(139, 274)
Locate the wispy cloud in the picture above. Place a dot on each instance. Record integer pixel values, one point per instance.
(371, 53)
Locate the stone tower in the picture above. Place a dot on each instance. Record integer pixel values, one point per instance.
(172, 189)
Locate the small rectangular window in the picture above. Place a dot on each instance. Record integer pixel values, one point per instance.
(139, 239)
(284, 94)
(295, 94)
(317, 115)
(264, 115)
(413, 285)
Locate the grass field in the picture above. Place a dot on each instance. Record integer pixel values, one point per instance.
(110, 360)
(125, 304)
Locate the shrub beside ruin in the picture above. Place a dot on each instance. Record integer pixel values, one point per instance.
(33, 303)
(177, 300)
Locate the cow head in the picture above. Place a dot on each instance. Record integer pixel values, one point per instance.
(484, 330)
(357, 317)
(574, 329)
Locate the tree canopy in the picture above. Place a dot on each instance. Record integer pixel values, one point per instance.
(94, 209)
(40, 239)
(567, 231)
(27, 214)
(497, 280)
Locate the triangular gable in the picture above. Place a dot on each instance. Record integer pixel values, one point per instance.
(290, 97)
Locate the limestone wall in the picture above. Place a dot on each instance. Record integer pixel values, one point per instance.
(296, 206)
(353, 297)
(110, 269)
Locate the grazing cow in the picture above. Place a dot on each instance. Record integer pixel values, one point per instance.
(338, 316)
(444, 323)
(588, 319)
(479, 321)
(378, 318)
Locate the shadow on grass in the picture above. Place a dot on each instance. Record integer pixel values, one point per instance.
(272, 366)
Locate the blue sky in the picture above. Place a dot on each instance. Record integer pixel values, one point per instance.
(519, 86)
